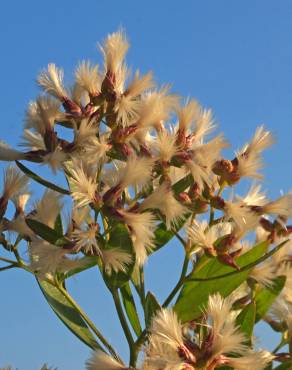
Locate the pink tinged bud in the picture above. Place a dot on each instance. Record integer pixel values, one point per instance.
(227, 259)
(145, 151)
(181, 138)
(108, 85)
(71, 107)
(217, 202)
(184, 198)
(126, 149)
(3, 205)
(183, 156)
(112, 194)
(266, 224)
(51, 140)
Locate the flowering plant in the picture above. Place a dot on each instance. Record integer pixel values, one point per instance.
(142, 168)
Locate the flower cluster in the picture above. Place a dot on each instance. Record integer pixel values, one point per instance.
(143, 165)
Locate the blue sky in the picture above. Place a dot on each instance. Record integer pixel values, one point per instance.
(233, 56)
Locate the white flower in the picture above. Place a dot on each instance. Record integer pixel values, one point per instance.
(282, 206)
(167, 328)
(85, 132)
(137, 171)
(188, 114)
(32, 140)
(51, 81)
(115, 259)
(142, 226)
(14, 182)
(204, 236)
(163, 199)
(86, 239)
(226, 337)
(9, 154)
(165, 145)
(55, 159)
(244, 219)
(82, 182)
(262, 140)
(251, 360)
(264, 273)
(42, 114)
(88, 78)
(102, 361)
(96, 149)
(248, 166)
(254, 197)
(156, 107)
(128, 104)
(114, 50)
(49, 259)
(48, 208)
(204, 125)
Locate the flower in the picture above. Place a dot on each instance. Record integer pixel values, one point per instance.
(142, 226)
(51, 81)
(88, 78)
(14, 183)
(48, 208)
(9, 154)
(115, 259)
(83, 183)
(162, 198)
(102, 361)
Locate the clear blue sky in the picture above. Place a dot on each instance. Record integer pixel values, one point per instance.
(233, 56)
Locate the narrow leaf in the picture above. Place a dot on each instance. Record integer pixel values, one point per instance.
(266, 297)
(68, 314)
(59, 225)
(246, 319)
(194, 295)
(130, 308)
(84, 263)
(120, 238)
(151, 307)
(47, 233)
(182, 184)
(40, 180)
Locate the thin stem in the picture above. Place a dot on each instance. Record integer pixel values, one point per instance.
(89, 322)
(123, 321)
(7, 260)
(142, 286)
(8, 267)
(179, 283)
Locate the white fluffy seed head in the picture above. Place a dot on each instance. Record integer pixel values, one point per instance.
(101, 361)
(114, 50)
(88, 77)
(51, 81)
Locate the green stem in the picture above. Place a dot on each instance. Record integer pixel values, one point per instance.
(142, 286)
(123, 321)
(6, 260)
(89, 322)
(179, 283)
(8, 267)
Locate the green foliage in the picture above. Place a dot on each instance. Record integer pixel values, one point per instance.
(68, 314)
(265, 297)
(194, 295)
(130, 308)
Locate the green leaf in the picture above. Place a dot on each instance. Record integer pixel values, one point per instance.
(194, 295)
(182, 184)
(284, 366)
(40, 180)
(120, 238)
(267, 295)
(130, 308)
(58, 227)
(85, 263)
(68, 314)
(246, 319)
(47, 233)
(163, 235)
(151, 307)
